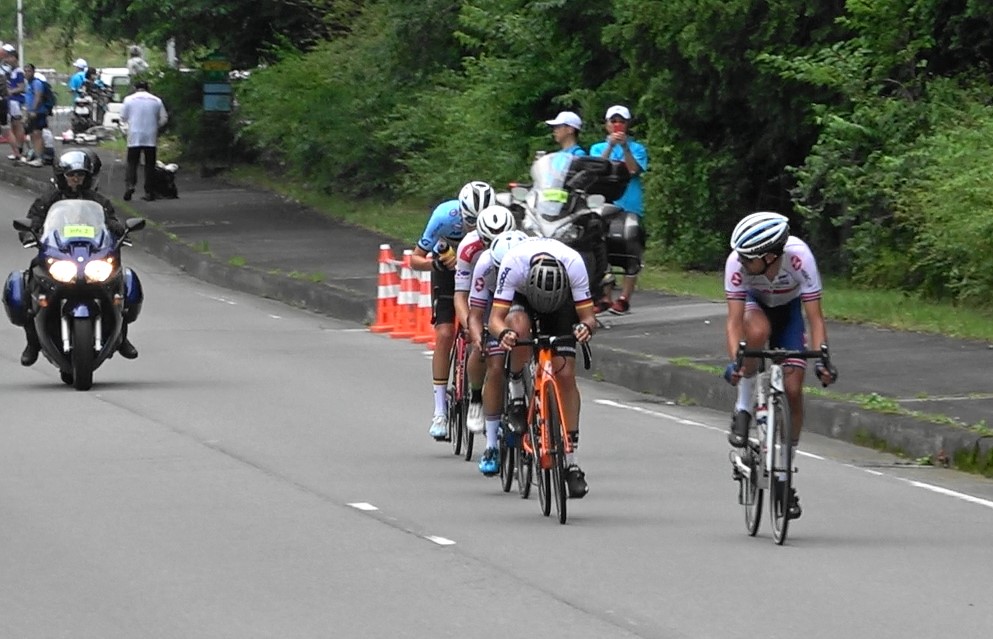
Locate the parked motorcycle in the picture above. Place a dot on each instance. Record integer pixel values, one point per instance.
(565, 202)
(78, 295)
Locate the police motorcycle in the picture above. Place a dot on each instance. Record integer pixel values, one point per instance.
(80, 294)
(565, 201)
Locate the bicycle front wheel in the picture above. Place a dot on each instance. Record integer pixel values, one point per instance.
(508, 458)
(553, 422)
(781, 473)
(751, 491)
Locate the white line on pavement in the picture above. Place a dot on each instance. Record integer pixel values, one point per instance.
(441, 541)
(361, 505)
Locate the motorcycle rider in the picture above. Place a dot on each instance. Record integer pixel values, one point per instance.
(74, 176)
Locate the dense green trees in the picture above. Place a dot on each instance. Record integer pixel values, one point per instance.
(866, 121)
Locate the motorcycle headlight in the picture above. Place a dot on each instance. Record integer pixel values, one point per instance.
(98, 271)
(63, 271)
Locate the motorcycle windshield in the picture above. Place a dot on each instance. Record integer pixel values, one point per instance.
(548, 193)
(75, 220)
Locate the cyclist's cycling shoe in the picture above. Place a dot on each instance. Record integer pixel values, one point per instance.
(795, 511)
(516, 416)
(475, 421)
(575, 480)
(439, 427)
(489, 463)
(738, 433)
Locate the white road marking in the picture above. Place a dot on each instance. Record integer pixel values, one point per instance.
(361, 505)
(441, 541)
(219, 299)
(917, 484)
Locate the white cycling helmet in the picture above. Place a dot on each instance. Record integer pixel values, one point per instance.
(760, 233)
(473, 198)
(547, 285)
(494, 220)
(503, 243)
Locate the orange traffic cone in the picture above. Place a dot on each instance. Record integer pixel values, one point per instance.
(386, 293)
(424, 328)
(405, 326)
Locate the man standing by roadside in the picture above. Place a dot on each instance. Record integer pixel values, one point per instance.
(78, 78)
(565, 130)
(144, 114)
(35, 113)
(15, 103)
(621, 147)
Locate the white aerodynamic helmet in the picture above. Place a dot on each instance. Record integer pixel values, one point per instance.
(760, 233)
(494, 220)
(473, 198)
(503, 243)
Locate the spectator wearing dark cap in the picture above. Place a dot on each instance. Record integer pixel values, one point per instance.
(144, 114)
(620, 146)
(565, 130)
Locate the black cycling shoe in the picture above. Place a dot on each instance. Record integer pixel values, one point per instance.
(575, 480)
(738, 433)
(794, 511)
(30, 354)
(127, 349)
(516, 416)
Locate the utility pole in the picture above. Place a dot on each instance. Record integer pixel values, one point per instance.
(20, 29)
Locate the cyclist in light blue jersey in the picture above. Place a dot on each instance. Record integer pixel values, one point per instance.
(435, 252)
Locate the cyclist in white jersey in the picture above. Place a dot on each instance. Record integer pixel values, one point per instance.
(550, 280)
(490, 222)
(768, 277)
(483, 280)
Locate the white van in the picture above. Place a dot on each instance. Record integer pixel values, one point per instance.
(119, 80)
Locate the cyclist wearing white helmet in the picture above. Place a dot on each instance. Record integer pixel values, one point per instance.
(489, 222)
(473, 198)
(550, 281)
(768, 276)
(483, 280)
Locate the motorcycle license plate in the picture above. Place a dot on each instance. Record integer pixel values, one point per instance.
(79, 230)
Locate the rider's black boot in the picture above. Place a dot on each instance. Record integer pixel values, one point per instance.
(31, 350)
(126, 348)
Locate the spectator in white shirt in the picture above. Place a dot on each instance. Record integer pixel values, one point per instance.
(144, 114)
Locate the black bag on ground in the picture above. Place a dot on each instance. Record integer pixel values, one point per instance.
(164, 181)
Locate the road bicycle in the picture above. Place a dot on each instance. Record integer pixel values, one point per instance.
(457, 395)
(545, 443)
(767, 459)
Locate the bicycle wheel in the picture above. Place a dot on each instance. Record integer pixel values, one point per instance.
(543, 478)
(525, 472)
(751, 490)
(453, 399)
(508, 459)
(553, 422)
(780, 490)
(467, 437)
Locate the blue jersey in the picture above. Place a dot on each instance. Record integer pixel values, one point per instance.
(575, 149)
(14, 80)
(445, 223)
(633, 198)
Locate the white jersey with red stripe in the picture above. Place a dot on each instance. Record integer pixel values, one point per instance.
(797, 277)
(483, 280)
(466, 255)
(513, 275)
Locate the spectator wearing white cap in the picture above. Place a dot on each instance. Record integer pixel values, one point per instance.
(621, 147)
(15, 101)
(78, 79)
(565, 130)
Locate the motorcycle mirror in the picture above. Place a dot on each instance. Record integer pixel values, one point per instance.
(135, 223)
(519, 193)
(595, 201)
(22, 224)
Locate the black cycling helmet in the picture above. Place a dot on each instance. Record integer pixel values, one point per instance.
(77, 160)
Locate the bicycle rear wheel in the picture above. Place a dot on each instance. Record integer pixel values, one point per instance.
(508, 459)
(467, 437)
(780, 489)
(454, 401)
(553, 422)
(543, 479)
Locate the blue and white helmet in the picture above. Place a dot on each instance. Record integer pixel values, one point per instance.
(760, 233)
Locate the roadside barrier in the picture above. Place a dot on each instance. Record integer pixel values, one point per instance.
(406, 324)
(386, 292)
(424, 329)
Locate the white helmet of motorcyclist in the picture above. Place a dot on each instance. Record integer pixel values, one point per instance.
(494, 220)
(473, 198)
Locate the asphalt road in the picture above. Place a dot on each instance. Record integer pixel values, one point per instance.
(220, 486)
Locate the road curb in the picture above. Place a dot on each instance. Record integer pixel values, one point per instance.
(908, 436)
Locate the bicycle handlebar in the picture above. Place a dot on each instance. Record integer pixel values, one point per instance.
(549, 341)
(781, 354)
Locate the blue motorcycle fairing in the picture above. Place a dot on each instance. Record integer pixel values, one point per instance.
(16, 300)
(134, 295)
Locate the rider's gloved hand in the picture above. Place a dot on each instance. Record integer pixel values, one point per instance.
(732, 374)
(826, 370)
